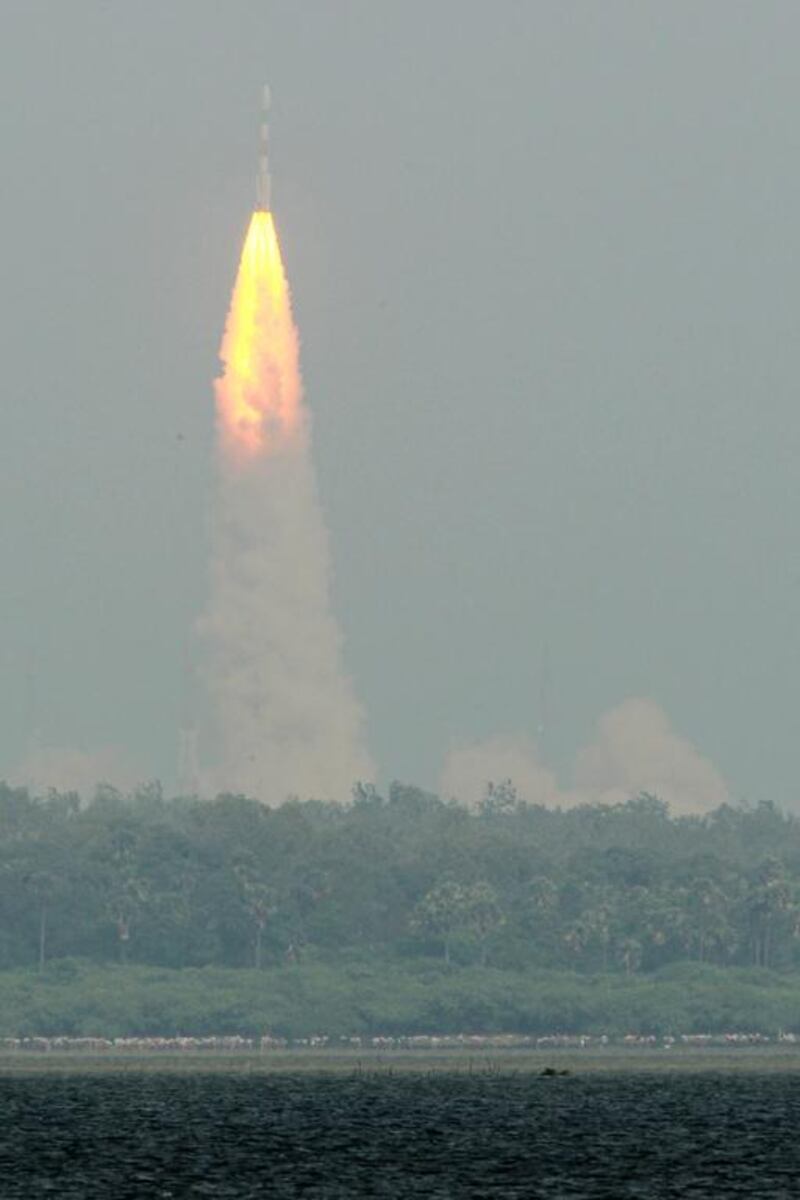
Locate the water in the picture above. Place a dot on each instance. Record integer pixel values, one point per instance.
(455, 1136)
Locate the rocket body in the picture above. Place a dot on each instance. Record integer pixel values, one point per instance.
(263, 186)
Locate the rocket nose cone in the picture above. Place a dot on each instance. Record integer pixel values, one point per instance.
(266, 97)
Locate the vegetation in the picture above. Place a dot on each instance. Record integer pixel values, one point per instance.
(78, 999)
(402, 913)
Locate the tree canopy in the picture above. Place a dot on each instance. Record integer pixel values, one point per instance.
(181, 882)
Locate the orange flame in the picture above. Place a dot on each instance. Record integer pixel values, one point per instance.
(259, 397)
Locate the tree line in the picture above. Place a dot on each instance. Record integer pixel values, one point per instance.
(181, 882)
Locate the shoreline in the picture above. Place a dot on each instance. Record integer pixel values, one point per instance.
(374, 1062)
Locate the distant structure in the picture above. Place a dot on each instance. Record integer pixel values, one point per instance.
(34, 740)
(188, 740)
(545, 700)
(188, 765)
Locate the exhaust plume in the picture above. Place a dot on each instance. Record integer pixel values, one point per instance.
(285, 716)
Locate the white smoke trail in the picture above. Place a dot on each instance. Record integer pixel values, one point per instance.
(287, 721)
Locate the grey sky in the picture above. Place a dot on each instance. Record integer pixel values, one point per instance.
(545, 266)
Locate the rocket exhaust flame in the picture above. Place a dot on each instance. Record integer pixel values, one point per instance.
(286, 718)
(259, 395)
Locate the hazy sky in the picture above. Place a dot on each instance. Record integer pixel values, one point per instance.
(545, 266)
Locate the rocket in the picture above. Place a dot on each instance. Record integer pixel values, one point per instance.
(262, 183)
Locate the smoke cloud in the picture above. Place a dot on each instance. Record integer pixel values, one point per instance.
(468, 769)
(634, 750)
(62, 769)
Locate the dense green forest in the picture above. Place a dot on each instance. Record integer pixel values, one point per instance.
(382, 997)
(404, 879)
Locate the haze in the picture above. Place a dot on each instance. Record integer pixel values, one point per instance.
(544, 266)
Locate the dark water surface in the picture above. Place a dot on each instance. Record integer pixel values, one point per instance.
(459, 1136)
